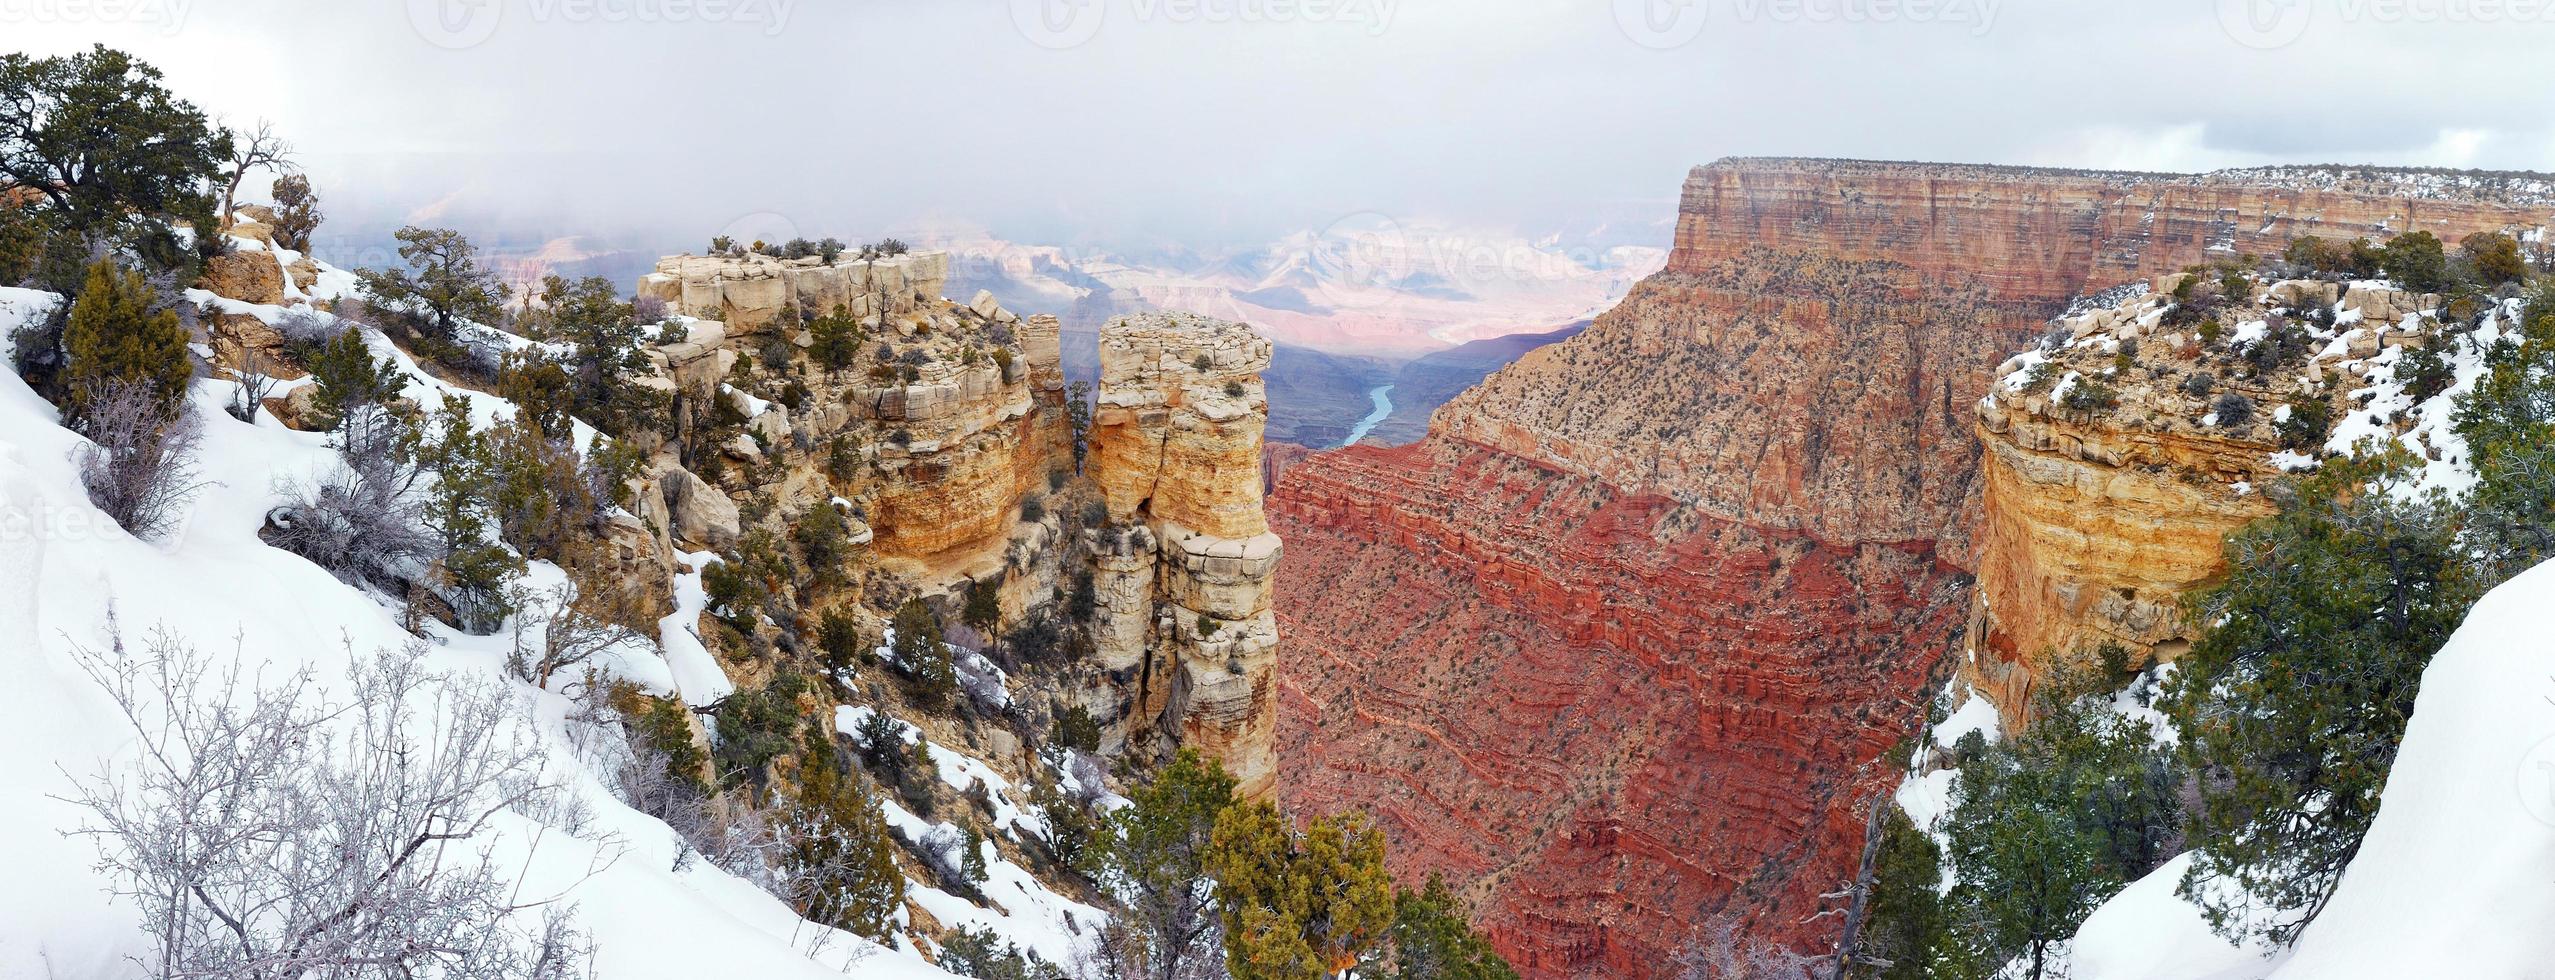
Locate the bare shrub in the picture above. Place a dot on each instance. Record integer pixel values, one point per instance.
(569, 624)
(256, 384)
(303, 327)
(648, 309)
(266, 833)
(1722, 950)
(139, 464)
(359, 521)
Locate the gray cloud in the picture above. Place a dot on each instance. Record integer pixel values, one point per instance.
(652, 124)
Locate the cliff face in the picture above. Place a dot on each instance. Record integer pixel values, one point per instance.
(2098, 520)
(751, 292)
(1185, 564)
(1621, 645)
(949, 441)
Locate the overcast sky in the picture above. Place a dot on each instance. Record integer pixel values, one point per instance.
(1144, 122)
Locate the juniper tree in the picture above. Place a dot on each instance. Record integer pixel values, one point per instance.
(2294, 700)
(297, 213)
(443, 286)
(98, 137)
(1433, 940)
(1153, 854)
(346, 380)
(841, 859)
(116, 335)
(920, 656)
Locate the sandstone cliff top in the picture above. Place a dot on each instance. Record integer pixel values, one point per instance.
(2508, 187)
(2299, 369)
(1168, 345)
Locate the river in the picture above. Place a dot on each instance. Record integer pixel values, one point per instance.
(1382, 395)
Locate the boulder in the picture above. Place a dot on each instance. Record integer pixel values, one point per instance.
(246, 276)
(702, 516)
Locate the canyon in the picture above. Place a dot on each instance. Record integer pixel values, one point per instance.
(967, 477)
(1621, 647)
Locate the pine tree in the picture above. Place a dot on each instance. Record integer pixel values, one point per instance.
(1156, 848)
(346, 380)
(114, 335)
(475, 568)
(1432, 940)
(1298, 907)
(297, 213)
(443, 286)
(2416, 261)
(834, 339)
(2292, 705)
(2047, 825)
(920, 657)
(1906, 923)
(984, 606)
(840, 850)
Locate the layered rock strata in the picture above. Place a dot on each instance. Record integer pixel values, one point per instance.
(751, 292)
(2100, 516)
(1622, 645)
(1184, 566)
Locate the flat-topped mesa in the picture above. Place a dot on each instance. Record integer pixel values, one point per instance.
(749, 292)
(1184, 573)
(2048, 234)
(957, 408)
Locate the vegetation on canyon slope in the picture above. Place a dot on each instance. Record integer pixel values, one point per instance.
(2275, 733)
(440, 513)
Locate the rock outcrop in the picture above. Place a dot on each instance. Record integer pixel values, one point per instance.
(949, 442)
(1622, 645)
(750, 292)
(2100, 515)
(1185, 563)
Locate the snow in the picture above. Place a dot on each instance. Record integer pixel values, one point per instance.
(2432, 438)
(64, 565)
(1029, 914)
(2149, 933)
(65, 568)
(696, 674)
(1976, 714)
(19, 308)
(2452, 878)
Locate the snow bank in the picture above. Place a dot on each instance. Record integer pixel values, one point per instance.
(2148, 933)
(2454, 877)
(65, 568)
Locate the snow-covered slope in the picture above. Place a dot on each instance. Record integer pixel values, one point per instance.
(2457, 875)
(70, 579)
